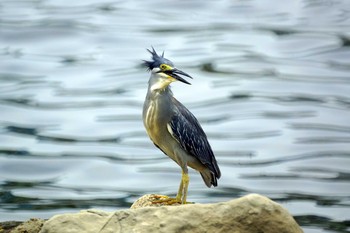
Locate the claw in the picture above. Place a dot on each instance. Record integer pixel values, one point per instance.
(162, 199)
(181, 197)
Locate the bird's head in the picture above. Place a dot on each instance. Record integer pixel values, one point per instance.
(163, 71)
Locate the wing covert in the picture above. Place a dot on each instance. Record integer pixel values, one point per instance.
(186, 129)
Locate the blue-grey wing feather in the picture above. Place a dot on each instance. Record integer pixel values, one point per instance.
(188, 132)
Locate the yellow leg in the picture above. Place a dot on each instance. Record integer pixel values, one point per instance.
(182, 193)
(181, 196)
(185, 180)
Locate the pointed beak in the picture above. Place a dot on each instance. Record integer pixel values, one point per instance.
(175, 74)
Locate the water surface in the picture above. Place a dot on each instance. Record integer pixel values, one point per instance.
(271, 89)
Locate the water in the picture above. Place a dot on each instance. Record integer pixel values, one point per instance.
(271, 89)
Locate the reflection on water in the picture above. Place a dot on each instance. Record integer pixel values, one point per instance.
(271, 90)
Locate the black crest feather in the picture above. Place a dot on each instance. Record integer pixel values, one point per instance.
(156, 60)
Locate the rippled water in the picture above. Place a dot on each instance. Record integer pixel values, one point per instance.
(271, 89)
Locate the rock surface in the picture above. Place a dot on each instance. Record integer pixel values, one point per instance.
(8, 226)
(31, 226)
(250, 214)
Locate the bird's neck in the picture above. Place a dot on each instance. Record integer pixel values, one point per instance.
(157, 85)
(166, 90)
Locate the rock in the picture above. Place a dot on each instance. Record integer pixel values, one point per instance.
(85, 221)
(250, 214)
(8, 226)
(31, 226)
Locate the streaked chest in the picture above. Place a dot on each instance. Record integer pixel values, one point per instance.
(156, 117)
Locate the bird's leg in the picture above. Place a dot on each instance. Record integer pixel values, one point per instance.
(181, 194)
(180, 191)
(177, 199)
(185, 180)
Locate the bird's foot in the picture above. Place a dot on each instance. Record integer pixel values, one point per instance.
(162, 199)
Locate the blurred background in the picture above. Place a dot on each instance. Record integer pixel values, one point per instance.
(271, 88)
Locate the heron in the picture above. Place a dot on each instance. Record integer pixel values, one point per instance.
(173, 128)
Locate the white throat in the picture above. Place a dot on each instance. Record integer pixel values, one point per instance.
(159, 81)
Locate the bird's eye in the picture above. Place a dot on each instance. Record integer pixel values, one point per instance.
(163, 66)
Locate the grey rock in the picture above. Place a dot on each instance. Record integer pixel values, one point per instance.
(33, 225)
(250, 214)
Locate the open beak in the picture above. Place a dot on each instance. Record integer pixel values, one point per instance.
(175, 74)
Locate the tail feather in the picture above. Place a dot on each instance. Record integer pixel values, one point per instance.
(209, 178)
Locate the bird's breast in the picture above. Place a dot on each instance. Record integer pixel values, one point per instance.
(155, 118)
(151, 121)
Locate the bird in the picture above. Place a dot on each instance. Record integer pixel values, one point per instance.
(173, 128)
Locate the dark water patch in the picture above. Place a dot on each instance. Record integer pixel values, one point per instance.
(320, 200)
(320, 127)
(107, 8)
(69, 60)
(11, 52)
(284, 159)
(287, 115)
(241, 96)
(345, 41)
(35, 132)
(19, 101)
(9, 201)
(111, 157)
(90, 92)
(212, 68)
(343, 101)
(235, 154)
(271, 176)
(324, 223)
(22, 130)
(17, 77)
(329, 173)
(339, 65)
(300, 98)
(322, 140)
(27, 102)
(248, 135)
(67, 139)
(294, 98)
(279, 31)
(335, 175)
(231, 192)
(316, 79)
(313, 70)
(73, 60)
(17, 152)
(125, 159)
(9, 185)
(174, 29)
(312, 100)
(255, 115)
(209, 67)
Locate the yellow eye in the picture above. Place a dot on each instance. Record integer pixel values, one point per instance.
(164, 67)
